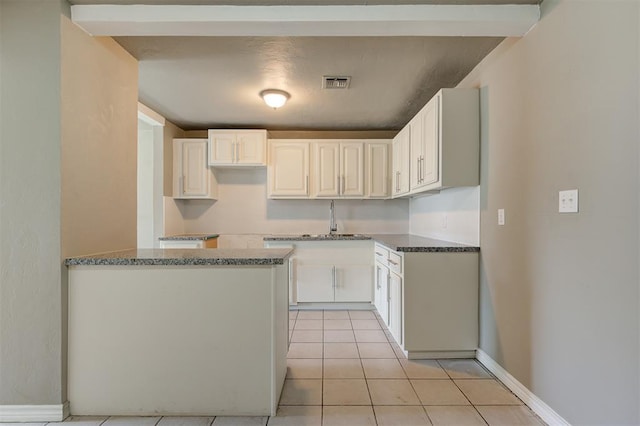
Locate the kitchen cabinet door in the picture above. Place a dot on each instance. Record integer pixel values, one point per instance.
(377, 166)
(237, 147)
(351, 170)
(431, 141)
(222, 147)
(416, 150)
(381, 296)
(315, 283)
(326, 169)
(288, 169)
(191, 176)
(352, 283)
(395, 307)
(401, 162)
(250, 148)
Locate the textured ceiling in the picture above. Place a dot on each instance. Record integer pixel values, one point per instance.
(201, 82)
(208, 82)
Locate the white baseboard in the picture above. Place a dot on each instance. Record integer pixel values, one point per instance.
(34, 413)
(537, 405)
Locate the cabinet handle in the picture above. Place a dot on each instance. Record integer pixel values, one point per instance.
(334, 278)
(237, 152)
(392, 262)
(398, 181)
(378, 253)
(184, 180)
(339, 186)
(306, 185)
(344, 180)
(418, 170)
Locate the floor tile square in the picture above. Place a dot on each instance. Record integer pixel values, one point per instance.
(313, 324)
(345, 392)
(306, 336)
(240, 421)
(342, 369)
(305, 350)
(401, 416)
(341, 350)
(84, 420)
(487, 392)
(370, 336)
(376, 350)
(509, 416)
(452, 415)
(304, 368)
(392, 392)
(185, 421)
(464, 369)
(131, 421)
(423, 369)
(301, 392)
(438, 392)
(362, 315)
(383, 369)
(297, 416)
(339, 336)
(365, 324)
(309, 315)
(336, 315)
(348, 416)
(337, 324)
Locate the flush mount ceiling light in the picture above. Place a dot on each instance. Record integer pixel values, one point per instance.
(274, 98)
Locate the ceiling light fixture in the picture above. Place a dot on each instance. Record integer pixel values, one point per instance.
(274, 98)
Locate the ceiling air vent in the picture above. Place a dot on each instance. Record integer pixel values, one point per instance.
(334, 82)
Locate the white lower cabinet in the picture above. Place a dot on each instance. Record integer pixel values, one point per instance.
(330, 271)
(431, 305)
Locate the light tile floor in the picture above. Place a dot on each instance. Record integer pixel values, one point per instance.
(344, 368)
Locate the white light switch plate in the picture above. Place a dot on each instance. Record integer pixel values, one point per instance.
(568, 201)
(500, 216)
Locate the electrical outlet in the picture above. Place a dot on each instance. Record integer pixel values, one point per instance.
(500, 216)
(568, 201)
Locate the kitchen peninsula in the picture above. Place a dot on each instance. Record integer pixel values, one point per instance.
(178, 332)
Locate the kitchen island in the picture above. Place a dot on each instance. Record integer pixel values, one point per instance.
(178, 332)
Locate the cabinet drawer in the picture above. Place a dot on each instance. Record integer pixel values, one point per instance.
(381, 254)
(395, 262)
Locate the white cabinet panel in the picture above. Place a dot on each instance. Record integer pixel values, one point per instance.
(377, 163)
(191, 176)
(401, 160)
(381, 295)
(395, 307)
(351, 170)
(237, 147)
(353, 283)
(315, 283)
(326, 169)
(288, 169)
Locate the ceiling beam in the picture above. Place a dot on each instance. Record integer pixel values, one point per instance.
(383, 20)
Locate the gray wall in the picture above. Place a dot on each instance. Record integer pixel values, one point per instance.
(30, 269)
(560, 292)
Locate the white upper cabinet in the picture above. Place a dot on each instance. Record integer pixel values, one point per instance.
(192, 179)
(338, 169)
(377, 169)
(400, 155)
(288, 172)
(237, 148)
(444, 144)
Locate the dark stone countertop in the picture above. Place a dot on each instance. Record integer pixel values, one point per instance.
(414, 243)
(185, 257)
(189, 237)
(396, 242)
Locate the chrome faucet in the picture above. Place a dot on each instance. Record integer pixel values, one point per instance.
(333, 227)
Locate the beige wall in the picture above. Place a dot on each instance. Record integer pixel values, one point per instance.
(99, 143)
(170, 131)
(31, 360)
(560, 292)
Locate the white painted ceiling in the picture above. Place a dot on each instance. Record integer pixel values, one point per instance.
(210, 82)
